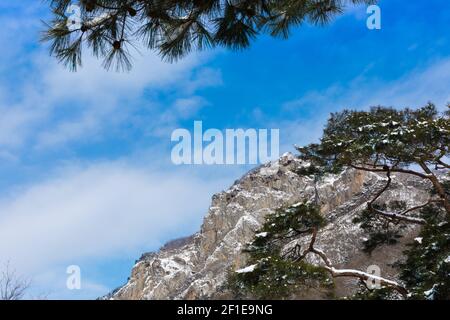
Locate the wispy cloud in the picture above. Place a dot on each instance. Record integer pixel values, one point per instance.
(76, 207)
(43, 106)
(86, 209)
(93, 99)
(414, 89)
(102, 210)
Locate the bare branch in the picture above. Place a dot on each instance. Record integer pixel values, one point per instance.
(437, 185)
(366, 276)
(421, 206)
(428, 175)
(379, 193)
(12, 286)
(442, 163)
(402, 217)
(335, 273)
(399, 170)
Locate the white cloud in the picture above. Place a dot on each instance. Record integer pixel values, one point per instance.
(12, 122)
(167, 120)
(52, 284)
(187, 107)
(111, 209)
(48, 106)
(414, 89)
(94, 98)
(98, 211)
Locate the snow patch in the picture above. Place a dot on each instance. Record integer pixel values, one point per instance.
(247, 269)
(429, 294)
(272, 169)
(261, 235)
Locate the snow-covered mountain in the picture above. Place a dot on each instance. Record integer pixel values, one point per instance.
(196, 267)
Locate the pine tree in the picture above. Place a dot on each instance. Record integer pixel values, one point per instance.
(382, 140)
(426, 271)
(175, 27)
(274, 274)
(385, 140)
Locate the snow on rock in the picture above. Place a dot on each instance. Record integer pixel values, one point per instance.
(198, 268)
(270, 170)
(429, 294)
(418, 240)
(247, 269)
(261, 235)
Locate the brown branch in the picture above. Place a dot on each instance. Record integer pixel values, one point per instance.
(437, 185)
(351, 273)
(364, 276)
(398, 216)
(399, 170)
(379, 193)
(335, 273)
(421, 206)
(310, 247)
(428, 175)
(442, 163)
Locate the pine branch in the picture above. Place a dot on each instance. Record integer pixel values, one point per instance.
(352, 273)
(177, 27)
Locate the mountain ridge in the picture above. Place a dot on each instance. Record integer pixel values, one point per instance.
(196, 267)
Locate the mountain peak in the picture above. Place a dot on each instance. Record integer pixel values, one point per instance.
(196, 267)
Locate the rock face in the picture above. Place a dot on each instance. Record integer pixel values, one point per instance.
(196, 267)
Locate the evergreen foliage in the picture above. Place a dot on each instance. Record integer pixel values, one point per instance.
(277, 278)
(426, 271)
(380, 230)
(382, 137)
(381, 140)
(278, 274)
(176, 27)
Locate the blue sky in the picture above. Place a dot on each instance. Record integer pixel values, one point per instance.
(85, 171)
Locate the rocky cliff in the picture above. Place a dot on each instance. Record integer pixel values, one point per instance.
(196, 267)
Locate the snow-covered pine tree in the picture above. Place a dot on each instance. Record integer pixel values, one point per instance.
(426, 271)
(386, 140)
(174, 27)
(382, 140)
(272, 273)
